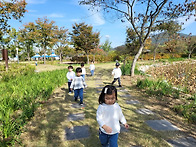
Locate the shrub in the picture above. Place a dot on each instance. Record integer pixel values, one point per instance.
(159, 88)
(23, 94)
(127, 68)
(16, 70)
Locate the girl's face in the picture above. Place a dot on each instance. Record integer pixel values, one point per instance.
(70, 69)
(110, 99)
(78, 74)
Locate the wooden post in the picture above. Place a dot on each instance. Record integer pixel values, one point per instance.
(5, 57)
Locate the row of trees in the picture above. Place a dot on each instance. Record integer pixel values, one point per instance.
(46, 35)
(155, 15)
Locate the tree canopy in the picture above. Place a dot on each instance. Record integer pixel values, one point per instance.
(11, 9)
(143, 15)
(83, 38)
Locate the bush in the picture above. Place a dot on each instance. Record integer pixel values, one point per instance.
(16, 70)
(188, 111)
(127, 68)
(159, 88)
(23, 94)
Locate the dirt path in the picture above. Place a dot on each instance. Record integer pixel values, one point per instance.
(47, 127)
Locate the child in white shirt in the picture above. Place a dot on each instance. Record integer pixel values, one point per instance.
(117, 74)
(92, 68)
(70, 77)
(83, 70)
(109, 115)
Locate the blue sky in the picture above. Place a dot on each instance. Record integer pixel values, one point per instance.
(67, 12)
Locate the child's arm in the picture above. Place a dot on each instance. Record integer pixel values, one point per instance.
(113, 72)
(107, 129)
(84, 83)
(122, 119)
(72, 85)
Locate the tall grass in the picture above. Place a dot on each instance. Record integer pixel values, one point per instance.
(161, 88)
(15, 70)
(20, 97)
(188, 110)
(127, 68)
(158, 87)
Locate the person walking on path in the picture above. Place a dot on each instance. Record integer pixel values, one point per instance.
(92, 68)
(109, 115)
(78, 85)
(70, 76)
(83, 70)
(117, 74)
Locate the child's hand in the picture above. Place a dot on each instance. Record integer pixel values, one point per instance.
(107, 129)
(126, 126)
(71, 89)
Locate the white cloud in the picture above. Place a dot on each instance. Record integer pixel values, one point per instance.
(55, 15)
(186, 23)
(75, 20)
(32, 11)
(97, 19)
(107, 36)
(36, 1)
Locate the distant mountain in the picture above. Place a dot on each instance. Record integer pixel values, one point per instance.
(164, 38)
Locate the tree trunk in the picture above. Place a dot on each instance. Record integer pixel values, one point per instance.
(94, 57)
(87, 58)
(189, 56)
(136, 58)
(44, 56)
(154, 57)
(5, 57)
(28, 56)
(60, 57)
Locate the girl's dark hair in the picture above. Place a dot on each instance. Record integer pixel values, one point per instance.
(82, 64)
(78, 69)
(70, 67)
(108, 89)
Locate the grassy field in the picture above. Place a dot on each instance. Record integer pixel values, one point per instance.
(47, 128)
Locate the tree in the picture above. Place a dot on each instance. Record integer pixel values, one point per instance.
(27, 37)
(84, 39)
(106, 46)
(153, 12)
(123, 52)
(190, 43)
(45, 32)
(9, 10)
(61, 40)
(167, 29)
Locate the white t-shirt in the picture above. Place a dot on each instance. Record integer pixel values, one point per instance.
(83, 71)
(92, 67)
(70, 75)
(116, 72)
(110, 115)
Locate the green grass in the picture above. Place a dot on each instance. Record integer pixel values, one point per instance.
(21, 96)
(161, 88)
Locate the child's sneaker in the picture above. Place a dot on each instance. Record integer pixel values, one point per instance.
(119, 86)
(69, 92)
(81, 104)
